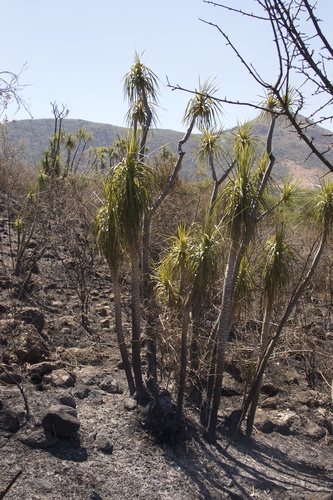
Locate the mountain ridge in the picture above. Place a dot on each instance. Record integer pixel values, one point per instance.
(292, 155)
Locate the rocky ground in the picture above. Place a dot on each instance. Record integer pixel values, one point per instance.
(70, 430)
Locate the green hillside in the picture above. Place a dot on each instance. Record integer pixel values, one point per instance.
(34, 135)
(291, 153)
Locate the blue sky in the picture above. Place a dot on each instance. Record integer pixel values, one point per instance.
(77, 51)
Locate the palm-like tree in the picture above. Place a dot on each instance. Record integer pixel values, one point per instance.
(130, 189)
(322, 211)
(243, 287)
(241, 213)
(141, 90)
(70, 141)
(210, 151)
(184, 276)
(286, 197)
(110, 244)
(278, 259)
(178, 262)
(237, 205)
(140, 83)
(202, 111)
(204, 258)
(243, 140)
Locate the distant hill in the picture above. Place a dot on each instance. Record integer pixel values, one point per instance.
(34, 136)
(291, 153)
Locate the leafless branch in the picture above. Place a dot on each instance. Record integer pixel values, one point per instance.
(238, 11)
(10, 91)
(303, 52)
(12, 482)
(224, 100)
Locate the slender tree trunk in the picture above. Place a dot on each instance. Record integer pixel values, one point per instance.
(178, 165)
(274, 340)
(194, 345)
(147, 292)
(146, 255)
(136, 323)
(120, 333)
(217, 182)
(151, 307)
(213, 197)
(196, 353)
(183, 362)
(206, 404)
(223, 333)
(264, 343)
(152, 384)
(266, 323)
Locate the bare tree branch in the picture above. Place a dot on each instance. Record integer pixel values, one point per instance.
(10, 91)
(304, 55)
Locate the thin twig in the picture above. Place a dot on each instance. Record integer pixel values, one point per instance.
(15, 478)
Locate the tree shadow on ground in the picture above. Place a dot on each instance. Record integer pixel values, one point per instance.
(246, 469)
(69, 450)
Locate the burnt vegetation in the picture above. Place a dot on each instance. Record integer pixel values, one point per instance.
(215, 295)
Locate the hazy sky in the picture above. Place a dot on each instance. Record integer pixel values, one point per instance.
(77, 51)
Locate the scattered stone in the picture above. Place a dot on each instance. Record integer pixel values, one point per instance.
(96, 397)
(94, 495)
(269, 389)
(66, 321)
(270, 402)
(80, 355)
(41, 484)
(230, 386)
(61, 378)
(39, 439)
(32, 316)
(324, 419)
(313, 430)
(3, 308)
(31, 347)
(130, 404)
(90, 376)
(103, 441)
(110, 385)
(10, 377)
(12, 409)
(264, 424)
(81, 391)
(307, 398)
(43, 368)
(67, 400)
(61, 421)
(283, 422)
(10, 418)
(159, 413)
